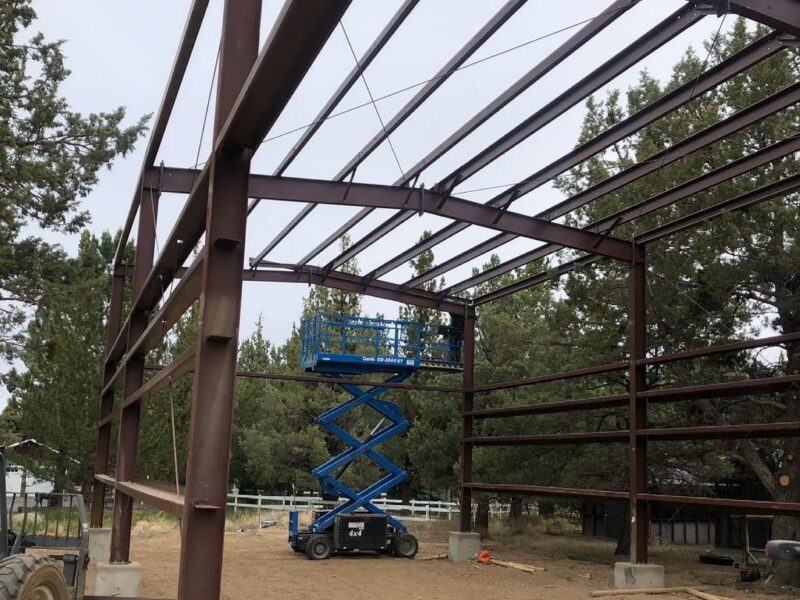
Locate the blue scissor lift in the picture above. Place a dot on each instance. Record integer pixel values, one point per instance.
(338, 346)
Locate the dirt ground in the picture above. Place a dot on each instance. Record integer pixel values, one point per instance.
(260, 564)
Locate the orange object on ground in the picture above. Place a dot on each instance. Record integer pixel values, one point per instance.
(484, 557)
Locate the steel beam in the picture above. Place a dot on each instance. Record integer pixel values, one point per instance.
(722, 432)
(467, 426)
(266, 94)
(733, 65)
(153, 493)
(637, 410)
(544, 408)
(343, 194)
(532, 280)
(561, 376)
(749, 506)
(173, 308)
(179, 367)
(681, 192)
(551, 439)
(298, 35)
(668, 29)
(678, 22)
(102, 451)
(128, 443)
(339, 380)
(589, 31)
(770, 191)
(434, 83)
(547, 491)
(728, 389)
(309, 275)
(767, 507)
(782, 15)
(736, 346)
(778, 189)
(349, 81)
(190, 31)
(205, 498)
(702, 139)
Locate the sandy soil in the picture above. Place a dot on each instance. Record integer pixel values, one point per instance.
(259, 564)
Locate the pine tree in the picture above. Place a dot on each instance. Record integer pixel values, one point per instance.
(54, 399)
(49, 160)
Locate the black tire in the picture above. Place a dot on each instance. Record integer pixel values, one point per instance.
(28, 577)
(405, 545)
(319, 547)
(297, 547)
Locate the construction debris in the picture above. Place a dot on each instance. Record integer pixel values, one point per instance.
(517, 566)
(668, 590)
(704, 595)
(433, 557)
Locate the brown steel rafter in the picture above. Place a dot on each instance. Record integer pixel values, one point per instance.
(653, 39)
(291, 189)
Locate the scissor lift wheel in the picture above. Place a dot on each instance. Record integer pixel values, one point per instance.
(319, 547)
(405, 545)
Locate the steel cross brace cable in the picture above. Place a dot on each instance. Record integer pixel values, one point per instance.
(327, 472)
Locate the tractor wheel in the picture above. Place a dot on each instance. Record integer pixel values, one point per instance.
(31, 577)
(319, 547)
(297, 547)
(405, 545)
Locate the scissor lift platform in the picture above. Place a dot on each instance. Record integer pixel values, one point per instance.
(339, 345)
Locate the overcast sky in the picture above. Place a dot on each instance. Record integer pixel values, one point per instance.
(120, 53)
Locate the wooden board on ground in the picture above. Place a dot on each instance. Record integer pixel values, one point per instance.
(668, 590)
(517, 566)
(697, 593)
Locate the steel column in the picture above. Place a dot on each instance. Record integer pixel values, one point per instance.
(465, 518)
(205, 496)
(637, 332)
(128, 444)
(106, 400)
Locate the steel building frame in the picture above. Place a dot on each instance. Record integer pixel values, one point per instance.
(256, 81)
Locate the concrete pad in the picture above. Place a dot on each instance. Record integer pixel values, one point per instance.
(99, 544)
(114, 579)
(630, 575)
(463, 546)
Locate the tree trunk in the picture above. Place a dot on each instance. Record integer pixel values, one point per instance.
(516, 508)
(405, 486)
(482, 515)
(624, 540)
(546, 508)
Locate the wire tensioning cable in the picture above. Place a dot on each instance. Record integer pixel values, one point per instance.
(372, 99)
(442, 75)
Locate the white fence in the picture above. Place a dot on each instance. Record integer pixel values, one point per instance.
(423, 510)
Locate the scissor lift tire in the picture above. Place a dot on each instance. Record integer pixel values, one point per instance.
(319, 547)
(405, 545)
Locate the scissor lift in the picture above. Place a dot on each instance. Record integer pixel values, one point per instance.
(340, 345)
